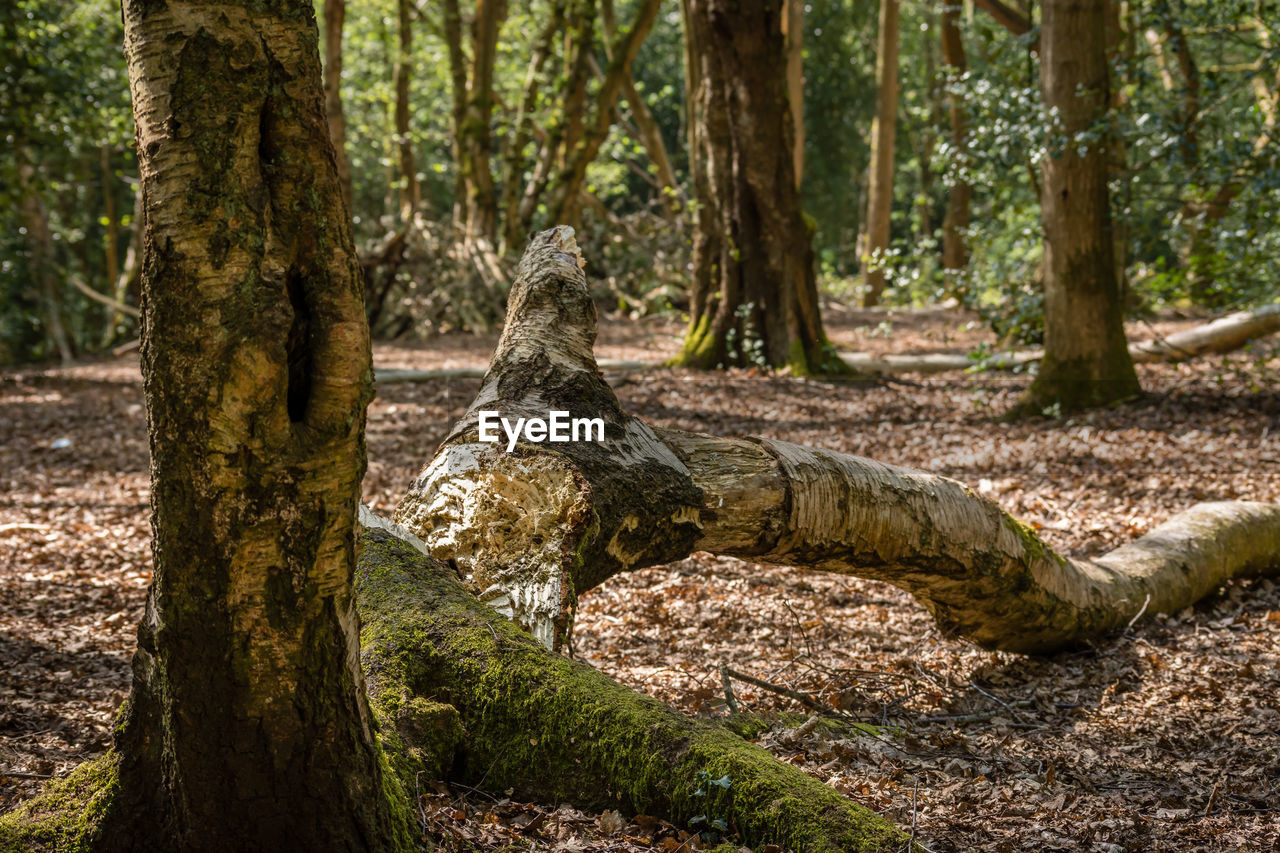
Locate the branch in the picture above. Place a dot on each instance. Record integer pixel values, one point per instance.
(102, 297)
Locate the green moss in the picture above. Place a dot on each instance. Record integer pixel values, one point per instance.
(700, 345)
(556, 730)
(1032, 544)
(65, 817)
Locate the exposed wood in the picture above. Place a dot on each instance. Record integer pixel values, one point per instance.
(529, 530)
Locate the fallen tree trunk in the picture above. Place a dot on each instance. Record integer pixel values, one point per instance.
(439, 663)
(1225, 334)
(531, 527)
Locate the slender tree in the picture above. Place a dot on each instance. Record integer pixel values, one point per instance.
(1086, 361)
(248, 726)
(402, 75)
(335, 13)
(955, 254)
(880, 188)
(754, 295)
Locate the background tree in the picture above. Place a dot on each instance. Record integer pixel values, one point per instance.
(754, 295)
(1086, 359)
(883, 129)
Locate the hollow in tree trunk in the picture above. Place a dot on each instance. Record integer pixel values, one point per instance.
(754, 297)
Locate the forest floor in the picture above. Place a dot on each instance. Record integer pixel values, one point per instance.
(1165, 738)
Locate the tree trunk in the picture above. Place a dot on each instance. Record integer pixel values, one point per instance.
(955, 254)
(531, 529)
(564, 205)
(36, 217)
(451, 26)
(754, 294)
(1086, 359)
(476, 133)
(880, 191)
(649, 135)
(248, 726)
(130, 281)
(335, 13)
(410, 195)
(109, 329)
(513, 233)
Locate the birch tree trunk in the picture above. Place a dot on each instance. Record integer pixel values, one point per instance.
(529, 530)
(248, 726)
(880, 188)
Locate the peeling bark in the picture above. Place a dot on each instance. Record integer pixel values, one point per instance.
(530, 530)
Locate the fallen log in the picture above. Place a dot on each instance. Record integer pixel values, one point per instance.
(460, 689)
(532, 528)
(1225, 334)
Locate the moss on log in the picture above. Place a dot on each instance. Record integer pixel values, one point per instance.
(554, 729)
(66, 816)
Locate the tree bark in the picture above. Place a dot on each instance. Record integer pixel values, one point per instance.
(248, 726)
(754, 298)
(532, 529)
(880, 189)
(1086, 360)
(955, 254)
(335, 13)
